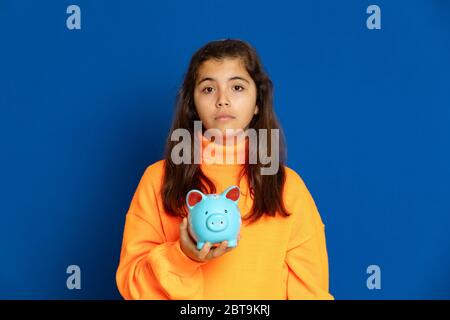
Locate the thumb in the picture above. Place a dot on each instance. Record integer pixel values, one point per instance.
(184, 223)
(183, 229)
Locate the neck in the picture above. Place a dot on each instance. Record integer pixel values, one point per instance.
(231, 150)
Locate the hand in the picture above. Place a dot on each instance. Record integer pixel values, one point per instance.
(207, 253)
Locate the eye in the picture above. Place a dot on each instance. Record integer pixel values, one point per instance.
(206, 213)
(238, 88)
(207, 90)
(226, 211)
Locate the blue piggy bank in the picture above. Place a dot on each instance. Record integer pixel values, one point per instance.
(214, 217)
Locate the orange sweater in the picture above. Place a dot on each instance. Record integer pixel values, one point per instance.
(276, 257)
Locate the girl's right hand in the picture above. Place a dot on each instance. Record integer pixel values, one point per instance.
(207, 253)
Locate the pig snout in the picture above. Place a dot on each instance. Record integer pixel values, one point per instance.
(217, 222)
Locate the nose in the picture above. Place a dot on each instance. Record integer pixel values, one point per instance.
(216, 222)
(222, 100)
(222, 104)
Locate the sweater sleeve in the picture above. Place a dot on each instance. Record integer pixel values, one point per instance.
(306, 256)
(151, 267)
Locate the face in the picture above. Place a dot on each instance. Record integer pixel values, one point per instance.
(225, 95)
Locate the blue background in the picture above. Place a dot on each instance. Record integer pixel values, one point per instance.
(366, 115)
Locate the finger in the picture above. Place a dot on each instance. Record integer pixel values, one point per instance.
(183, 229)
(185, 237)
(221, 249)
(229, 249)
(183, 224)
(204, 251)
(188, 232)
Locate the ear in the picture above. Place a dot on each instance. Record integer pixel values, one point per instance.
(233, 193)
(256, 110)
(193, 197)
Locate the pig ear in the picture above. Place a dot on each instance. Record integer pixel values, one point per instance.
(193, 197)
(233, 193)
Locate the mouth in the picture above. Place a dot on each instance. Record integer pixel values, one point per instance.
(224, 118)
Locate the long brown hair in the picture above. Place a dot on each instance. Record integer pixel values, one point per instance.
(265, 190)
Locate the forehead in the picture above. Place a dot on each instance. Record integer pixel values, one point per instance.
(225, 67)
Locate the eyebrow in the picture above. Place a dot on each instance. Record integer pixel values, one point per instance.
(232, 78)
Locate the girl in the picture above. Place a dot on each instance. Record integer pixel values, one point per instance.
(281, 251)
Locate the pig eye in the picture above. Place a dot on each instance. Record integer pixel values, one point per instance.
(206, 212)
(226, 211)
